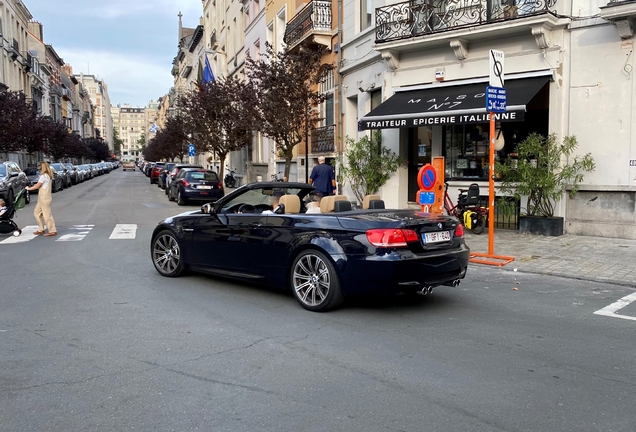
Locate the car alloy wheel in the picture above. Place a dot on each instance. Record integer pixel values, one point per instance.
(180, 200)
(314, 282)
(166, 254)
(27, 197)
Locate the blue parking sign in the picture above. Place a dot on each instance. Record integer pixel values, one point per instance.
(191, 151)
(495, 99)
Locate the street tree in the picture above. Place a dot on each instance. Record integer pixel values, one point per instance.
(287, 95)
(117, 142)
(98, 148)
(17, 119)
(57, 142)
(219, 116)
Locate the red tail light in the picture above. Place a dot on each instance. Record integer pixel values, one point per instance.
(185, 183)
(459, 230)
(391, 238)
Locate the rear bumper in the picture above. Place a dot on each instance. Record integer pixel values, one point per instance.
(202, 195)
(401, 270)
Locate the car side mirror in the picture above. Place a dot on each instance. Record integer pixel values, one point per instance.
(14, 174)
(207, 208)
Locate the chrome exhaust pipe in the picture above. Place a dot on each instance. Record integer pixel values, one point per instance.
(456, 282)
(453, 283)
(425, 290)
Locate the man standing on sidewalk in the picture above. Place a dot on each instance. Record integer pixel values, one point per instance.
(322, 178)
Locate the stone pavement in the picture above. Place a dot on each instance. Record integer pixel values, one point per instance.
(601, 259)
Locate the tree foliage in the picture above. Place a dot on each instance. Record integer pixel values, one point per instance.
(543, 172)
(219, 116)
(169, 143)
(117, 142)
(287, 95)
(21, 129)
(368, 164)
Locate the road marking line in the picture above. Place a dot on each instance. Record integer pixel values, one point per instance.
(611, 310)
(27, 235)
(80, 231)
(123, 231)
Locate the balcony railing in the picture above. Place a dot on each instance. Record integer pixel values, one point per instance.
(316, 15)
(421, 17)
(323, 139)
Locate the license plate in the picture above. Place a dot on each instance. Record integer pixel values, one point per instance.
(204, 187)
(436, 237)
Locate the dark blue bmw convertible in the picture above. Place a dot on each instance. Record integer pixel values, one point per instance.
(262, 232)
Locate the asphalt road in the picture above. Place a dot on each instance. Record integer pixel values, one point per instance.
(93, 339)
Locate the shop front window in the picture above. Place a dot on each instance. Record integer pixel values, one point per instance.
(466, 151)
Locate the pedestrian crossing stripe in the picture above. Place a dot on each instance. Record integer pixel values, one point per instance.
(27, 235)
(123, 232)
(75, 233)
(78, 232)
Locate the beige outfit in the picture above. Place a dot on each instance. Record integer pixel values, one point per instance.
(42, 211)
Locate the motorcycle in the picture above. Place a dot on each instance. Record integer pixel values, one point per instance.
(230, 180)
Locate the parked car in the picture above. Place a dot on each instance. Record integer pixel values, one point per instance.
(156, 171)
(195, 185)
(163, 176)
(128, 165)
(62, 171)
(321, 258)
(75, 177)
(12, 181)
(148, 168)
(175, 169)
(33, 175)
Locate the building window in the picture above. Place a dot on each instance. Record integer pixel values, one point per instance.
(329, 117)
(366, 14)
(270, 33)
(281, 19)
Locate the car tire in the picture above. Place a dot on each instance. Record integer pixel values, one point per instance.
(27, 197)
(165, 252)
(314, 282)
(480, 224)
(166, 190)
(170, 197)
(180, 200)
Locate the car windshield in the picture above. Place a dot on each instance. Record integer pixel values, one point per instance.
(202, 176)
(31, 171)
(58, 166)
(3, 170)
(260, 197)
(69, 166)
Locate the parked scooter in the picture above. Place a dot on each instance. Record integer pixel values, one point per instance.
(230, 180)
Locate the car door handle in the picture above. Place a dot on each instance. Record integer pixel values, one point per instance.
(188, 229)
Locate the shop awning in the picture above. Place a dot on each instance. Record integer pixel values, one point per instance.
(462, 104)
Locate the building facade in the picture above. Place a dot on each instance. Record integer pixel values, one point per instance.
(103, 120)
(431, 64)
(15, 59)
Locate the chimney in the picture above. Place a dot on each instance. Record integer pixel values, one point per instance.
(37, 29)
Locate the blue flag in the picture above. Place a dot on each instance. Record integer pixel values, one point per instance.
(208, 74)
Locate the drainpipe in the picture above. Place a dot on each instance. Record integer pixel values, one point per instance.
(340, 128)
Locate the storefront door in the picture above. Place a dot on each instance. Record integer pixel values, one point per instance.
(419, 154)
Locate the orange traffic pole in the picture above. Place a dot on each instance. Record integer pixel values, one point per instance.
(491, 189)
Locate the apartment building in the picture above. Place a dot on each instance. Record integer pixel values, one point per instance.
(15, 59)
(417, 71)
(40, 72)
(98, 92)
(132, 123)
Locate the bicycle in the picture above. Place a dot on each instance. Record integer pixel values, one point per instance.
(470, 214)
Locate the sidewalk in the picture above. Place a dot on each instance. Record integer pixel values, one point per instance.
(601, 259)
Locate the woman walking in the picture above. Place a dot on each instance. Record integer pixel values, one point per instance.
(42, 210)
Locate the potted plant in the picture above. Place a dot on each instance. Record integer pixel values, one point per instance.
(368, 165)
(543, 171)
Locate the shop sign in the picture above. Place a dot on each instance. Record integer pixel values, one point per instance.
(440, 120)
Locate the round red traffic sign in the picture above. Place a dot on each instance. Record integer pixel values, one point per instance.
(427, 177)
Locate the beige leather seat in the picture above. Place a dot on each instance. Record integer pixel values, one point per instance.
(327, 203)
(367, 199)
(291, 203)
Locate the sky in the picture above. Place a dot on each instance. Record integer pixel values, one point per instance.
(129, 44)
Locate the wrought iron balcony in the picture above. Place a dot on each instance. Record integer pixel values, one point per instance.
(421, 17)
(313, 19)
(323, 139)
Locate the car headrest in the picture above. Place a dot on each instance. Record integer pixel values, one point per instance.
(367, 199)
(327, 203)
(376, 204)
(342, 206)
(291, 203)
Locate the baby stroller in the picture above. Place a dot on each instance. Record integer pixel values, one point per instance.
(7, 225)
